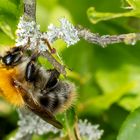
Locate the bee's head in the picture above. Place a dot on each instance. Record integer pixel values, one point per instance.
(12, 57)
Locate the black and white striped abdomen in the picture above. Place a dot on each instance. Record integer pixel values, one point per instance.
(59, 98)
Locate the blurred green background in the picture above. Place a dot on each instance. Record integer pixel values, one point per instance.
(107, 79)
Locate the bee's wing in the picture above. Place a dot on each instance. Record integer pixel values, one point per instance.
(46, 115)
(37, 108)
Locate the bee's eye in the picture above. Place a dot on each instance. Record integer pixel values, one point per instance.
(7, 59)
(11, 59)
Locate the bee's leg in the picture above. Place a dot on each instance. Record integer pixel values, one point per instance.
(26, 94)
(31, 69)
(52, 50)
(37, 108)
(52, 82)
(20, 86)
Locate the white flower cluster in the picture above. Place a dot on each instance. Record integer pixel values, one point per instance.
(66, 31)
(29, 32)
(89, 131)
(29, 124)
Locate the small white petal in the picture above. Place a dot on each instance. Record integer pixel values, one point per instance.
(66, 31)
(89, 131)
(29, 123)
(29, 30)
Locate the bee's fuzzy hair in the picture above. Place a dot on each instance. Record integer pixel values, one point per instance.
(62, 97)
(7, 90)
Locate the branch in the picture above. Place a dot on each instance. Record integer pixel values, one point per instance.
(105, 40)
(54, 62)
(66, 31)
(76, 130)
(30, 15)
(30, 10)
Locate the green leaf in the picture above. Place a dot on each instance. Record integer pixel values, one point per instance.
(10, 11)
(6, 29)
(100, 103)
(131, 102)
(130, 129)
(95, 16)
(135, 4)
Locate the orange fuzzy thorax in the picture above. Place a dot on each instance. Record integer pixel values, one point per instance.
(7, 89)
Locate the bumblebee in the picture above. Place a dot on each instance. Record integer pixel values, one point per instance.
(24, 83)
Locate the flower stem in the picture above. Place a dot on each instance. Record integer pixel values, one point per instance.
(30, 10)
